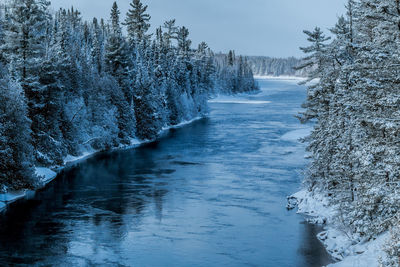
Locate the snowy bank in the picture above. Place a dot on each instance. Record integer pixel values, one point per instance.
(347, 250)
(250, 102)
(46, 175)
(285, 78)
(296, 135)
(237, 99)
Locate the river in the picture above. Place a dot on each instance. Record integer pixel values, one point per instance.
(212, 193)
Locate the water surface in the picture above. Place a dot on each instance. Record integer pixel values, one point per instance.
(212, 193)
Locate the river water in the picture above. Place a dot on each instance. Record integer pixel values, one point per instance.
(212, 193)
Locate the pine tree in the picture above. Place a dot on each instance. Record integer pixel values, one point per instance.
(117, 65)
(171, 32)
(183, 41)
(148, 124)
(137, 22)
(97, 47)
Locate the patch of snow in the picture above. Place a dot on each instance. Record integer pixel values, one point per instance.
(73, 159)
(250, 102)
(285, 78)
(10, 197)
(46, 175)
(313, 205)
(134, 142)
(184, 123)
(295, 135)
(366, 254)
(350, 251)
(238, 99)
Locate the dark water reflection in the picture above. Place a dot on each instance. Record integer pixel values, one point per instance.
(209, 194)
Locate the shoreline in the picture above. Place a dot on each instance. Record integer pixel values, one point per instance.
(47, 175)
(287, 78)
(344, 248)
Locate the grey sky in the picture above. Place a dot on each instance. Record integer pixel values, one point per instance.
(251, 27)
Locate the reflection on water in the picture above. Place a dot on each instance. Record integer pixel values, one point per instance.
(209, 194)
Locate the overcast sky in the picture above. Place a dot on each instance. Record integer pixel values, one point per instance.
(251, 27)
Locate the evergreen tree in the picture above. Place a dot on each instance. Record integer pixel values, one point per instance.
(117, 65)
(137, 22)
(16, 170)
(147, 115)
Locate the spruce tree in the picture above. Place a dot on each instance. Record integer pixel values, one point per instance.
(137, 22)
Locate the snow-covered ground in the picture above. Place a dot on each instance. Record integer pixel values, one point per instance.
(237, 99)
(226, 100)
(10, 197)
(47, 175)
(341, 246)
(286, 78)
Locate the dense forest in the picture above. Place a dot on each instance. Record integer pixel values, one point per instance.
(70, 86)
(267, 66)
(353, 99)
(228, 66)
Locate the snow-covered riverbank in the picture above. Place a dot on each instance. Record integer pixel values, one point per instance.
(348, 250)
(47, 175)
(283, 78)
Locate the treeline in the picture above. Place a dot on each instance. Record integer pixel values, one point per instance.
(234, 74)
(268, 66)
(69, 86)
(355, 103)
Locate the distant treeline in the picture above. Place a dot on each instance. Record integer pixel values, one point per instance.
(233, 74)
(268, 66)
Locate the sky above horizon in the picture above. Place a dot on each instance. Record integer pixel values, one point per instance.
(250, 27)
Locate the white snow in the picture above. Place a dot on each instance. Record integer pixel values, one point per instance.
(250, 102)
(10, 197)
(283, 77)
(314, 205)
(365, 255)
(73, 159)
(237, 99)
(184, 123)
(295, 135)
(46, 175)
(347, 250)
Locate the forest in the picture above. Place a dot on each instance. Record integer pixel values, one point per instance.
(68, 86)
(268, 66)
(353, 101)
